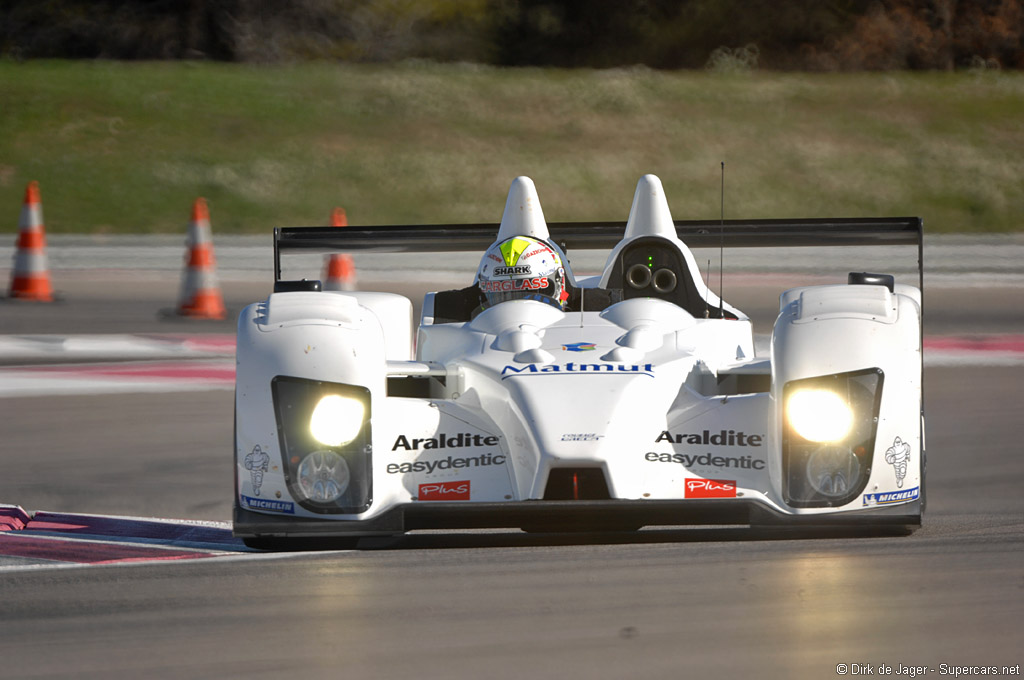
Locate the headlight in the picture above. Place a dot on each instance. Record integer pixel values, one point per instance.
(819, 415)
(833, 471)
(324, 429)
(336, 420)
(828, 437)
(323, 476)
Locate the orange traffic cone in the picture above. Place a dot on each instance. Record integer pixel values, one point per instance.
(339, 218)
(340, 269)
(30, 279)
(200, 293)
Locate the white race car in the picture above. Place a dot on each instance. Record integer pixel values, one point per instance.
(537, 400)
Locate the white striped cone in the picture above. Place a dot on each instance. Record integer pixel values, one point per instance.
(339, 269)
(30, 279)
(200, 296)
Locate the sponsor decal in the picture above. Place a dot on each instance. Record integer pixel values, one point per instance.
(579, 347)
(449, 463)
(891, 497)
(444, 491)
(514, 285)
(705, 460)
(898, 455)
(267, 504)
(705, 438)
(444, 441)
(588, 437)
(710, 488)
(256, 462)
(572, 368)
(518, 270)
(540, 250)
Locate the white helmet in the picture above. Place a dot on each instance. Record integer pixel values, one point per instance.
(522, 268)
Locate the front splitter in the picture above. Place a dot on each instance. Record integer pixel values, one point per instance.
(572, 515)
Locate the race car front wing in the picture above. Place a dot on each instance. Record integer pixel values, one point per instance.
(578, 515)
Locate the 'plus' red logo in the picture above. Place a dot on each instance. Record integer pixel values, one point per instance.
(710, 488)
(445, 491)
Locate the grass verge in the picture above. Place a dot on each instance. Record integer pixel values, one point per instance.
(125, 147)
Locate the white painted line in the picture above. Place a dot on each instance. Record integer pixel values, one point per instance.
(97, 347)
(21, 386)
(117, 378)
(972, 359)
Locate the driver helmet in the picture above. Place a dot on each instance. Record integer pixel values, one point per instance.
(522, 268)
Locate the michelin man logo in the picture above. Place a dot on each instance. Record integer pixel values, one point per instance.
(256, 462)
(898, 455)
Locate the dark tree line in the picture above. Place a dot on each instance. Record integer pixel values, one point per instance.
(781, 34)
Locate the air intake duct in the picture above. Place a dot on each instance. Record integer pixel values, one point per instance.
(576, 484)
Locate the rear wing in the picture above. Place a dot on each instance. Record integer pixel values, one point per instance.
(871, 231)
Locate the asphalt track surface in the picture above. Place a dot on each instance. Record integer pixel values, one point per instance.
(663, 603)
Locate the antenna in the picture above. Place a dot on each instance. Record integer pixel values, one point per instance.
(721, 250)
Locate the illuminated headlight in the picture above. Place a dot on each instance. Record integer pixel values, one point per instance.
(828, 437)
(336, 420)
(324, 429)
(819, 415)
